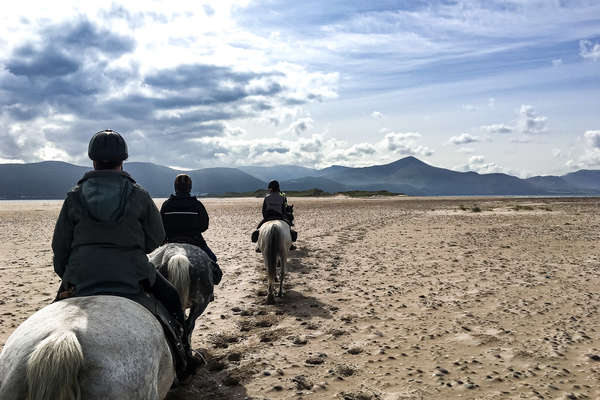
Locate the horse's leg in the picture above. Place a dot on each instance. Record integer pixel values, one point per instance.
(281, 276)
(270, 295)
(195, 311)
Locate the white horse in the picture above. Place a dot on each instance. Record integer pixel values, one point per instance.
(96, 347)
(274, 240)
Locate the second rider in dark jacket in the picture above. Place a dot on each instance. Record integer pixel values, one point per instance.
(184, 216)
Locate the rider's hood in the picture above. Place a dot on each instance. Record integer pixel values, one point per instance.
(104, 194)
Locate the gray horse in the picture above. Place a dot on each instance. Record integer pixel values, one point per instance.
(192, 273)
(93, 348)
(274, 240)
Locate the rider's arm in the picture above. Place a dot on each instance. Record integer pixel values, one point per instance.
(153, 226)
(62, 239)
(203, 216)
(284, 203)
(264, 209)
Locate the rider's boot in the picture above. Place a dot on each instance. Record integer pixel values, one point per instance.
(254, 237)
(294, 235)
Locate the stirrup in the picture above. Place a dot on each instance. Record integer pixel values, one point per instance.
(197, 357)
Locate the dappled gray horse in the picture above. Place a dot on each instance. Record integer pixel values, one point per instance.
(192, 273)
(93, 348)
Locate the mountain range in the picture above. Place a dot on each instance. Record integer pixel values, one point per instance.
(52, 180)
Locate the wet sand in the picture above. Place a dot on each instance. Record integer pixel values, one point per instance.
(404, 298)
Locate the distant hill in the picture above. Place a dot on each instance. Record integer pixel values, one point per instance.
(555, 185)
(52, 180)
(43, 180)
(414, 177)
(279, 172)
(311, 182)
(584, 179)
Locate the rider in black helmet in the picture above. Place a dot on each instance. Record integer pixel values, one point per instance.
(275, 207)
(184, 216)
(106, 226)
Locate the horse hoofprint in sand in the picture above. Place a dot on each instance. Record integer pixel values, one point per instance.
(274, 240)
(92, 348)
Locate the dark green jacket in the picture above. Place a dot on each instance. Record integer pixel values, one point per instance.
(106, 226)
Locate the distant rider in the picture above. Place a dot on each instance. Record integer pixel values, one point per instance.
(106, 226)
(275, 207)
(184, 216)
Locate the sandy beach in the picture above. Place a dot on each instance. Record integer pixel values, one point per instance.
(386, 298)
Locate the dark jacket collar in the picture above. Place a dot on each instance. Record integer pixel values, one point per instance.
(104, 173)
(180, 195)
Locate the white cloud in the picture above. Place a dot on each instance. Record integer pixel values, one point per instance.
(593, 138)
(315, 151)
(479, 164)
(588, 49)
(556, 153)
(591, 157)
(298, 127)
(376, 115)
(466, 150)
(469, 107)
(529, 122)
(464, 138)
(492, 102)
(405, 144)
(498, 128)
(557, 62)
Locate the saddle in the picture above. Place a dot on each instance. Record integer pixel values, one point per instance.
(172, 329)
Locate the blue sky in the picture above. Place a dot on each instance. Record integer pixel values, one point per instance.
(489, 86)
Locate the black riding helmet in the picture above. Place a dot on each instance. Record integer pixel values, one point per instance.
(274, 186)
(107, 146)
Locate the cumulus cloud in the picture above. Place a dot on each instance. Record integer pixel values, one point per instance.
(94, 74)
(405, 144)
(299, 126)
(376, 115)
(529, 122)
(591, 156)
(556, 153)
(589, 50)
(478, 163)
(464, 138)
(314, 151)
(498, 128)
(593, 138)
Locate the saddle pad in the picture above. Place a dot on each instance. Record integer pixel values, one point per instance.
(166, 320)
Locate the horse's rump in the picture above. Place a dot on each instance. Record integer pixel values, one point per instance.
(274, 241)
(125, 353)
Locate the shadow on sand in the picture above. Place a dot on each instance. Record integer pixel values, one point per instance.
(213, 382)
(301, 305)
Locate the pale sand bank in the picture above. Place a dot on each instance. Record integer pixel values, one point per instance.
(387, 298)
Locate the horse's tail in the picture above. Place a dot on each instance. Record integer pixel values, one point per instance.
(53, 368)
(272, 250)
(178, 270)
